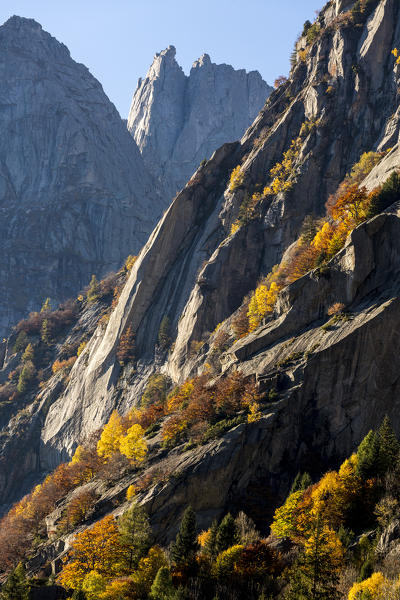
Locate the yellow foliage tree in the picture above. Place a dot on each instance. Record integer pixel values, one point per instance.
(282, 173)
(95, 549)
(226, 560)
(289, 518)
(262, 302)
(179, 396)
(147, 569)
(371, 588)
(93, 584)
(130, 492)
(132, 445)
(111, 435)
(236, 178)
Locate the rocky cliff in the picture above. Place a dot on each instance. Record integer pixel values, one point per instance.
(177, 120)
(75, 196)
(323, 381)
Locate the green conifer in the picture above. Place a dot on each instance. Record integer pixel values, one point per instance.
(135, 534)
(211, 543)
(185, 547)
(368, 456)
(227, 534)
(388, 447)
(163, 333)
(16, 587)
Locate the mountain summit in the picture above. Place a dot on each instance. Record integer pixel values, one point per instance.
(178, 120)
(75, 196)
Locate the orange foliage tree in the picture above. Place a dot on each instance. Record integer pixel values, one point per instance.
(95, 549)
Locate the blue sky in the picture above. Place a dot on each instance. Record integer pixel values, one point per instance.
(117, 39)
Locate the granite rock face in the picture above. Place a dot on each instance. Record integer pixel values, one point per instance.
(341, 378)
(197, 273)
(178, 120)
(75, 196)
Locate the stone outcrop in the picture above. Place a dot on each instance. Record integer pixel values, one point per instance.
(178, 120)
(75, 196)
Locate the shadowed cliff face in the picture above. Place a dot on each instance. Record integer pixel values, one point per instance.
(75, 197)
(178, 120)
(196, 272)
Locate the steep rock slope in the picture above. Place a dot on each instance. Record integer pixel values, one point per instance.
(75, 197)
(196, 272)
(178, 120)
(191, 269)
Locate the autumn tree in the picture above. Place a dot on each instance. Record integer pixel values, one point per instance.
(240, 322)
(146, 572)
(134, 535)
(29, 354)
(93, 584)
(46, 307)
(79, 507)
(95, 549)
(280, 81)
(262, 303)
(316, 574)
(132, 445)
(93, 289)
(111, 435)
(125, 350)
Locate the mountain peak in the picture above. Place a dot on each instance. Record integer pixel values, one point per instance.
(169, 52)
(204, 60)
(17, 22)
(29, 35)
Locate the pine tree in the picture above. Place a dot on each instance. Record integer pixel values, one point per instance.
(301, 482)
(182, 594)
(387, 195)
(163, 333)
(29, 354)
(134, 534)
(368, 456)
(185, 547)
(45, 332)
(16, 587)
(210, 545)
(227, 534)
(162, 587)
(316, 574)
(21, 342)
(388, 447)
(26, 377)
